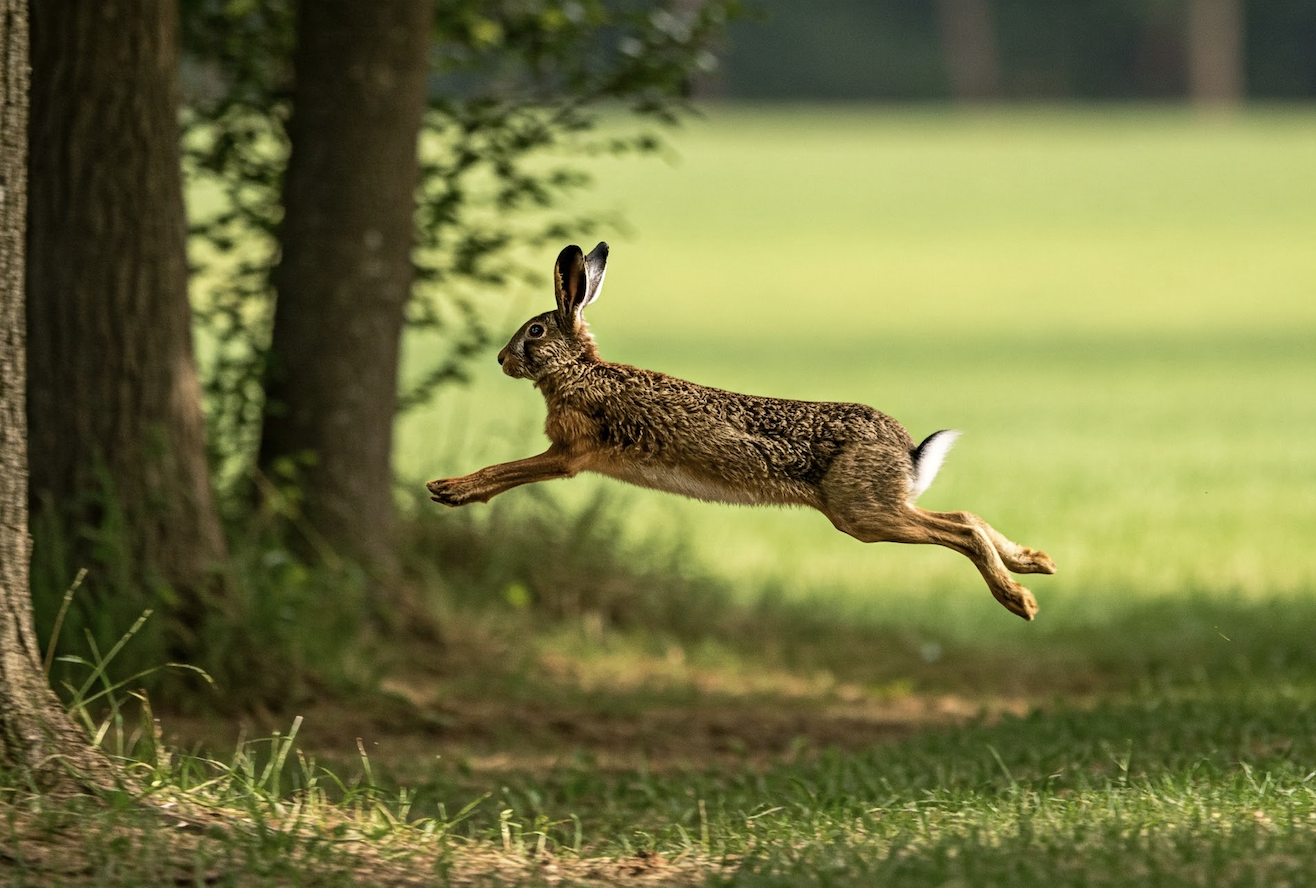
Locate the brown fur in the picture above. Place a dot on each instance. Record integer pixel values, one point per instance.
(850, 462)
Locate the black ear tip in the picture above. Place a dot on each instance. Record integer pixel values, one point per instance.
(569, 254)
(601, 251)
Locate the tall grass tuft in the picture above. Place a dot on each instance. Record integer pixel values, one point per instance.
(563, 563)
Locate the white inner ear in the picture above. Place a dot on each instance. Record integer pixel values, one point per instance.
(593, 284)
(596, 265)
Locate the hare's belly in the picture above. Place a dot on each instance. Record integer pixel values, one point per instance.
(702, 486)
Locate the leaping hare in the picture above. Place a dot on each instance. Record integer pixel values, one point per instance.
(857, 466)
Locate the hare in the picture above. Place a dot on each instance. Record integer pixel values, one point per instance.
(857, 466)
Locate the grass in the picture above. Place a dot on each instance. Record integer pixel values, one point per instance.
(1014, 802)
(1183, 788)
(1114, 305)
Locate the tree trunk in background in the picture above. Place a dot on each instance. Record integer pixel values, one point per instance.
(968, 45)
(114, 400)
(700, 85)
(1216, 72)
(346, 271)
(36, 735)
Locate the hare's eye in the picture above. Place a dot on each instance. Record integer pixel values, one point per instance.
(536, 331)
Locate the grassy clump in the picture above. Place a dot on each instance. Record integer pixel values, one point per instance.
(563, 562)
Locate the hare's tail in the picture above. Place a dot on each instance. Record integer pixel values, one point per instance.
(928, 458)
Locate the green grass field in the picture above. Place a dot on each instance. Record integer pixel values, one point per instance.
(1117, 307)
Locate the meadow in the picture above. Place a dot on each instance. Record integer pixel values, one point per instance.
(1118, 309)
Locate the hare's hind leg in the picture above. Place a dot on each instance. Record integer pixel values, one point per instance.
(1020, 559)
(865, 495)
(972, 539)
(910, 524)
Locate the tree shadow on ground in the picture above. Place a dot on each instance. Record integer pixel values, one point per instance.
(500, 693)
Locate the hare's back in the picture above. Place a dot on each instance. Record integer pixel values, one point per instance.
(665, 433)
(836, 421)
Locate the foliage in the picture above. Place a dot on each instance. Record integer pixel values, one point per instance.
(518, 90)
(267, 641)
(563, 564)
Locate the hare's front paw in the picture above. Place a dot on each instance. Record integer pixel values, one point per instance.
(449, 491)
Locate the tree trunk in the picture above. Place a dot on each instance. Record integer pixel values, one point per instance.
(36, 734)
(117, 438)
(346, 270)
(968, 45)
(1215, 52)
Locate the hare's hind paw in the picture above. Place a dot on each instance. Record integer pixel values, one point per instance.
(1031, 561)
(1017, 600)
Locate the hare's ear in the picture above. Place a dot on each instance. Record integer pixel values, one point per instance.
(577, 279)
(596, 265)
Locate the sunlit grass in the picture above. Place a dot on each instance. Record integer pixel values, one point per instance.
(1191, 781)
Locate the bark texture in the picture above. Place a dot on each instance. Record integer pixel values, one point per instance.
(968, 45)
(35, 733)
(346, 270)
(114, 399)
(1215, 52)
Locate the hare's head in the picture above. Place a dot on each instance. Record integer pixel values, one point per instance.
(559, 338)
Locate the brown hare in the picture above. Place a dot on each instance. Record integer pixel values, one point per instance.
(857, 466)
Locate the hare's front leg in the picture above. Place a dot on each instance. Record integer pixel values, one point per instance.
(484, 485)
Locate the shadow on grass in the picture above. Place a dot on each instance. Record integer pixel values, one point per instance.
(509, 691)
(803, 743)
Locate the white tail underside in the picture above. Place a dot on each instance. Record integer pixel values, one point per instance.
(931, 454)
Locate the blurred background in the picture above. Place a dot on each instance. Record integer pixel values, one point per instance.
(982, 50)
(1081, 233)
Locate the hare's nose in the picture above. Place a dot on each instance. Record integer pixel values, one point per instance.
(502, 356)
